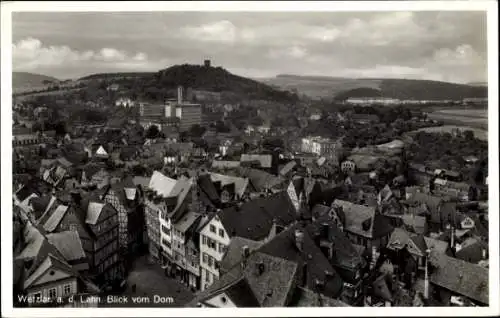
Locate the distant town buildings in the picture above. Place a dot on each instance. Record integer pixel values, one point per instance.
(177, 113)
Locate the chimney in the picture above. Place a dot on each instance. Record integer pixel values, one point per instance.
(179, 95)
(299, 240)
(245, 252)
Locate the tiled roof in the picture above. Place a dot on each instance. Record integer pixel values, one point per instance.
(345, 254)
(283, 246)
(432, 202)
(461, 277)
(307, 298)
(94, 210)
(261, 179)
(320, 210)
(240, 184)
(265, 281)
(186, 221)
(142, 181)
(50, 262)
(415, 243)
(233, 253)
(161, 184)
(436, 246)
(274, 284)
(288, 167)
(55, 218)
(254, 219)
(206, 186)
(382, 287)
(363, 220)
(265, 160)
(68, 244)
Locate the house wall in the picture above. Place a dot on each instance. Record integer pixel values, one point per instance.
(152, 215)
(221, 244)
(58, 285)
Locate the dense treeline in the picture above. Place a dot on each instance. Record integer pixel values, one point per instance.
(417, 90)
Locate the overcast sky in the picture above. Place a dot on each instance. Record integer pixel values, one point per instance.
(448, 46)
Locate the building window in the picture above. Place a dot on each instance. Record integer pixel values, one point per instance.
(204, 240)
(205, 257)
(37, 295)
(67, 289)
(52, 293)
(221, 232)
(207, 279)
(222, 248)
(72, 227)
(210, 261)
(212, 228)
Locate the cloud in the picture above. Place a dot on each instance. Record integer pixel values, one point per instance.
(220, 31)
(31, 54)
(433, 45)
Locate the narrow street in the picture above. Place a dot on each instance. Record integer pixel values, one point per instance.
(151, 283)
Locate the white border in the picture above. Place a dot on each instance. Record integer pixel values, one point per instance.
(6, 132)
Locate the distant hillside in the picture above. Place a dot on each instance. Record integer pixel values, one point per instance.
(359, 92)
(112, 76)
(421, 89)
(23, 81)
(342, 88)
(218, 79)
(318, 86)
(478, 84)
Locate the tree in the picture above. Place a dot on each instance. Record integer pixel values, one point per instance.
(196, 131)
(153, 132)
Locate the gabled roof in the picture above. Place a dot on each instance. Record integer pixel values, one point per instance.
(264, 159)
(55, 218)
(305, 297)
(161, 183)
(461, 277)
(283, 246)
(240, 184)
(415, 243)
(68, 243)
(265, 281)
(101, 152)
(207, 187)
(51, 262)
(94, 210)
(363, 220)
(254, 219)
(288, 168)
(186, 221)
(345, 254)
(234, 251)
(382, 287)
(436, 246)
(431, 201)
(261, 179)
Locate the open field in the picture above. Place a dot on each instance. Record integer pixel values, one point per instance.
(474, 117)
(478, 133)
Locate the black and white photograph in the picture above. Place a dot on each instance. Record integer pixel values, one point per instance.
(184, 157)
